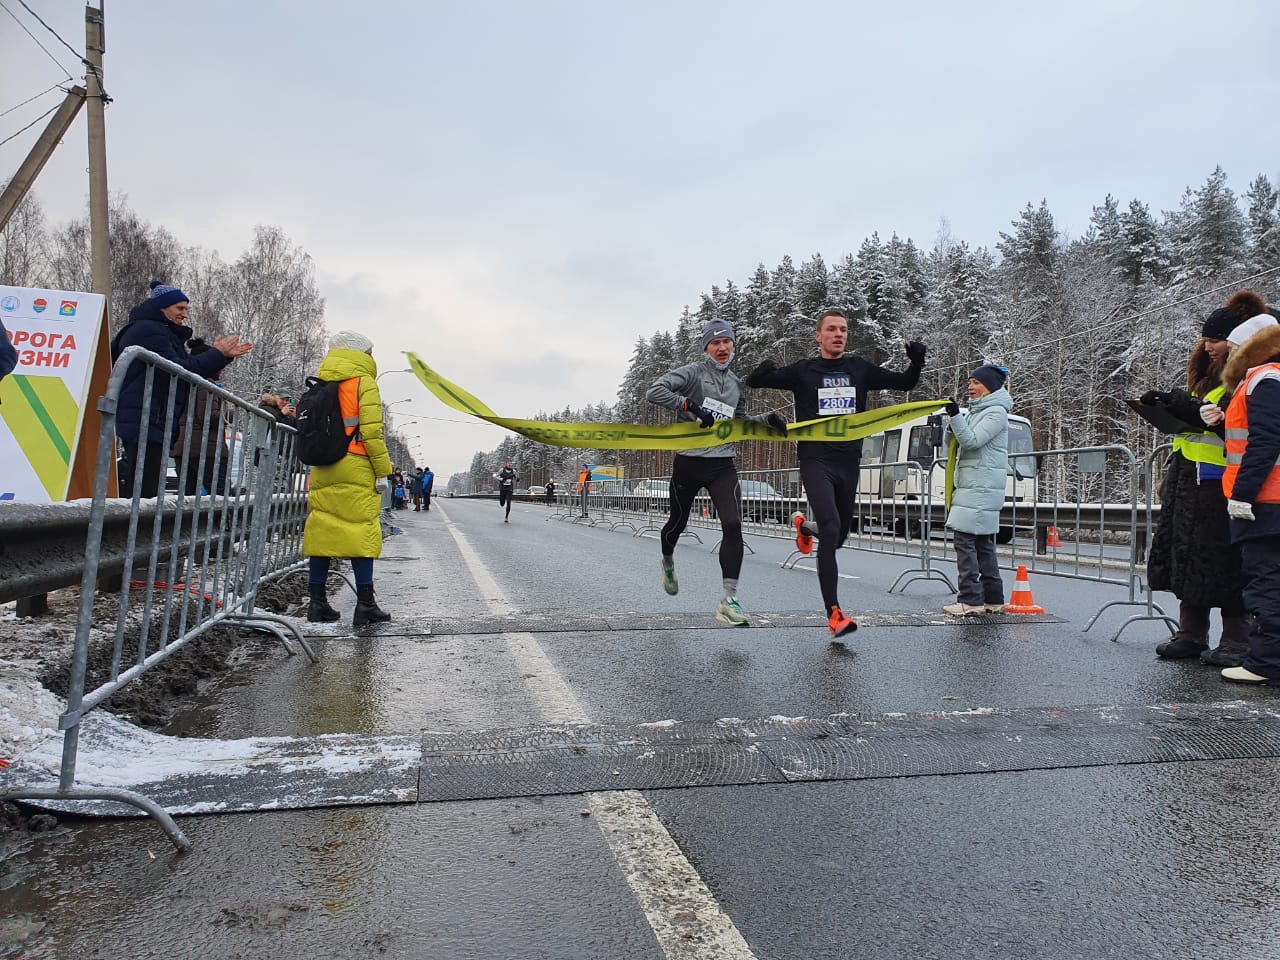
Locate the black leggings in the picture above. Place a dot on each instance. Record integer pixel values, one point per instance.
(720, 477)
(832, 489)
(504, 498)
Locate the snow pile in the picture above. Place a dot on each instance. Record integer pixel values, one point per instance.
(28, 712)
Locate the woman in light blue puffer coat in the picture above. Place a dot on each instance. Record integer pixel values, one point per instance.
(981, 468)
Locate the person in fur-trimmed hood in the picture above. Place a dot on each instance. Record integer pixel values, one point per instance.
(1191, 553)
(1251, 484)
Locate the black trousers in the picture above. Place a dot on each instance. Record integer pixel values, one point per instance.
(213, 481)
(504, 498)
(832, 489)
(152, 470)
(1261, 563)
(720, 477)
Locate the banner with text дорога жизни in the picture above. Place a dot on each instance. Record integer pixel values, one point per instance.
(42, 402)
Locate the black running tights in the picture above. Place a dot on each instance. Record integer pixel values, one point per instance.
(720, 477)
(832, 488)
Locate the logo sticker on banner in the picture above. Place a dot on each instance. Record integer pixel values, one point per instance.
(42, 402)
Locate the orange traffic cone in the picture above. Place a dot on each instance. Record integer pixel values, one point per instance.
(1022, 601)
(1054, 540)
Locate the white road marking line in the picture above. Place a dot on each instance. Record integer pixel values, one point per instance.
(685, 918)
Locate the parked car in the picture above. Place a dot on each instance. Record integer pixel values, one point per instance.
(537, 491)
(652, 488)
(761, 503)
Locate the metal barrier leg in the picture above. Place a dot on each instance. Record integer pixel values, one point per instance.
(277, 625)
(921, 573)
(1151, 614)
(146, 805)
(792, 559)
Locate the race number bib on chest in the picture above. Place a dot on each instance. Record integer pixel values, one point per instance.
(836, 396)
(719, 409)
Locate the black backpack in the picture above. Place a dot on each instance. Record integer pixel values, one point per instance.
(322, 437)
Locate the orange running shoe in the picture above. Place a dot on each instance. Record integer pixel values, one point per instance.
(804, 542)
(839, 624)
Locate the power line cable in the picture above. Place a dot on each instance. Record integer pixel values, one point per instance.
(1127, 318)
(30, 125)
(56, 86)
(55, 60)
(74, 52)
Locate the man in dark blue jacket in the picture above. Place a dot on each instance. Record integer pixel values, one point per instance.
(158, 324)
(8, 353)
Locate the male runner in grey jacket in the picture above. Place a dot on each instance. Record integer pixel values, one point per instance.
(707, 390)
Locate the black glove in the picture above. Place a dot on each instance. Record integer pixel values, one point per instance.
(704, 416)
(765, 368)
(776, 423)
(1154, 398)
(916, 351)
(952, 408)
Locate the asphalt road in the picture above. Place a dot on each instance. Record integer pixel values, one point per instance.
(1112, 860)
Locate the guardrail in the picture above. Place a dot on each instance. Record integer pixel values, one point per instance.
(204, 554)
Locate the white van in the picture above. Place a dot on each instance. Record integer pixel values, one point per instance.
(924, 441)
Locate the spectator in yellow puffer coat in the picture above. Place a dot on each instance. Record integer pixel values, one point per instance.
(346, 497)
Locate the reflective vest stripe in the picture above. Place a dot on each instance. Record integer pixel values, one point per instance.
(1237, 433)
(1202, 446)
(349, 406)
(1238, 458)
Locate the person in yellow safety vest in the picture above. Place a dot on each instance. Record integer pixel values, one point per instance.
(1191, 553)
(1251, 483)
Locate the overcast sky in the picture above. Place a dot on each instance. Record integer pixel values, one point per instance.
(518, 190)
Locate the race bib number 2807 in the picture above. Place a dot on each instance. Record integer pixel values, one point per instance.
(837, 399)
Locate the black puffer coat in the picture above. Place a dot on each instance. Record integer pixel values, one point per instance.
(1191, 552)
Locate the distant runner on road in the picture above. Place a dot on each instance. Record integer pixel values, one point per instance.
(506, 478)
(824, 386)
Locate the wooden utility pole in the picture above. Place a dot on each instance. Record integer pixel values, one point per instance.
(21, 182)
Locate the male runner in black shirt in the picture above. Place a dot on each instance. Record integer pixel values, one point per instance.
(829, 385)
(506, 478)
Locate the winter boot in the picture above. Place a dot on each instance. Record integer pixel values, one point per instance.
(1192, 635)
(367, 609)
(319, 610)
(1231, 649)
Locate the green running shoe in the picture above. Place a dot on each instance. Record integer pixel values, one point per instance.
(730, 612)
(669, 581)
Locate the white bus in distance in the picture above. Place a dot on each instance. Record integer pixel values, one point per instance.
(924, 441)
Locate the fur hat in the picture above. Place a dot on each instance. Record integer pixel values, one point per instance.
(350, 340)
(715, 329)
(990, 376)
(1242, 305)
(1262, 347)
(163, 295)
(1241, 334)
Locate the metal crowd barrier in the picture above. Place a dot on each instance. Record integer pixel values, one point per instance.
(234, 507)
(1080, 513)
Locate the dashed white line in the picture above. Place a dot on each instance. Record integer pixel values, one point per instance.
(685, 918)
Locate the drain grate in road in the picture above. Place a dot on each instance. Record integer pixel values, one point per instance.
(555, 622)
(220, 776)
(777, 750)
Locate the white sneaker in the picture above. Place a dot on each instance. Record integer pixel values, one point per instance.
(993, 607)
(1243, 675)
(958, 609)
